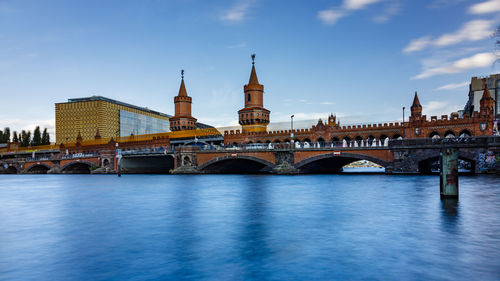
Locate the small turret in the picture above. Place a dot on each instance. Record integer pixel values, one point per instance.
(182, 119)
(253, 117)
(416, 108)
(486, 103)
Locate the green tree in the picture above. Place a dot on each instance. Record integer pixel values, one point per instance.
(14, 137)
(1, 136)
(25, 138)
(45, 137)
(37, 137)
(6, 135)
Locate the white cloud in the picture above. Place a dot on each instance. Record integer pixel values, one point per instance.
(332, 15)
(438, 108)
(358, 4)
(390, 10)
(475, 61)
(238, 12)
(417, 44)
(490, 6)
(471, 31)
(328, 103)
(453, 86)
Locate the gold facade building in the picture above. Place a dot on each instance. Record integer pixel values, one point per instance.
(111, 118)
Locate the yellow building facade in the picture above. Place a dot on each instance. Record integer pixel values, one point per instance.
(111, 118)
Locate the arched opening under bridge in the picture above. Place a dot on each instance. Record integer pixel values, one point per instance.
(151, 164)
(431, 165)
(38, 169)
(330, 164)
(465, 134)
(81, 167)
(237, 165)
(434, 135)
(10, 170)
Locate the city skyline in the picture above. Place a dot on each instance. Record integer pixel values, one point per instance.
(75, 50)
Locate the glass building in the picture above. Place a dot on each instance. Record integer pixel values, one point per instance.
(138, 124)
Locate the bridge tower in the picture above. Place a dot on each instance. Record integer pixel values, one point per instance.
(486, 104)
(416, 108)
(182, 119)
(254, 117)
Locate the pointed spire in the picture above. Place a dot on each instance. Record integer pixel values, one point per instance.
(253, 75)
(416, 102)
(486, 93)
(182, 89)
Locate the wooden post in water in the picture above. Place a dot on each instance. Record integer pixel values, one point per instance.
(448, 159)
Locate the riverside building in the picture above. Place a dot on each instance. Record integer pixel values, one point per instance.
(107, 118)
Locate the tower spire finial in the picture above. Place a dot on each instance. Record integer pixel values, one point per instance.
(253, 59)
(182, 74)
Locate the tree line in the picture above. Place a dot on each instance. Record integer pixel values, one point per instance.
(24, 138)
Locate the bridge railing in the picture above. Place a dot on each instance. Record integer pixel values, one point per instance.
(480, 140)
(148, 150)
(300, 145)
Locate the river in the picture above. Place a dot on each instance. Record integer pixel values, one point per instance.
(247, 227)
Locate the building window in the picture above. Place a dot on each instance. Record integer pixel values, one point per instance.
(249, 97)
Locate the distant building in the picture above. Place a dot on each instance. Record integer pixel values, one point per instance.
(476, 89)
(106, 118)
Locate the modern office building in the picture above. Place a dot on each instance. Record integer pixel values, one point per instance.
(106, 117)
(476, 89)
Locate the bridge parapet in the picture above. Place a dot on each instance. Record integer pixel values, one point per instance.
(484, 141)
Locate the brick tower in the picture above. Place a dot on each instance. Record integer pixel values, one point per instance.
(182, 119)
(486, 103)
(254, 117)
(416, 108)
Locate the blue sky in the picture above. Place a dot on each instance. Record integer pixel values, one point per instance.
(360, 59)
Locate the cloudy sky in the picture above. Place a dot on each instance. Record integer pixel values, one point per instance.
(360, 59)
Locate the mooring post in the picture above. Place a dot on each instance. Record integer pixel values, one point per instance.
(449, 173)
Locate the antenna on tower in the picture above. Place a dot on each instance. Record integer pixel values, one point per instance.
(253, 58)
(182, 74)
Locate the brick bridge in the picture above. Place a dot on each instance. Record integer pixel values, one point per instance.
(396, 156)
(399, 156)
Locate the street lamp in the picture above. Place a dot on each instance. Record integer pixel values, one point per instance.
(403, 122)
(291, 128)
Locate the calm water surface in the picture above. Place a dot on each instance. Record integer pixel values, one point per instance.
(239, 227)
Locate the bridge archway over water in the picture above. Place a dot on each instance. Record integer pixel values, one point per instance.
(242, 164)
(77, 167)
(429, 163)
(10, 170)
(154, 164)
(330, 164)
(38, 169)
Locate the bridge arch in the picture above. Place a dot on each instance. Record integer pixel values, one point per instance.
(240, 164)
(78, 167)
(465, 134)
(449, 134)
(328, 163)
(434, 135)
(426, 161)
(38, 168)
(11, 169)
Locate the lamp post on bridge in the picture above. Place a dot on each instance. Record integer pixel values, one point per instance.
(291, 130)
(403, 122)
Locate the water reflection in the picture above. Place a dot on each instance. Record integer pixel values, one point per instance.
(450, 214)
(254, 248)
(185, 238)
